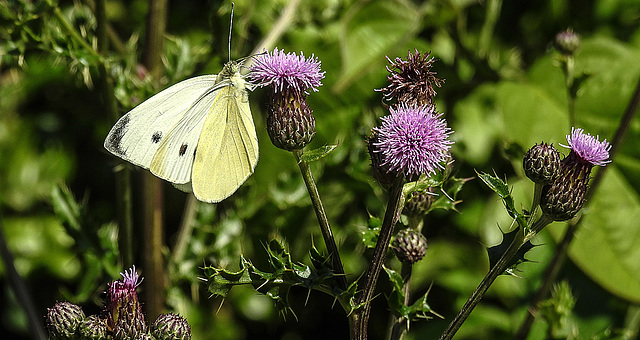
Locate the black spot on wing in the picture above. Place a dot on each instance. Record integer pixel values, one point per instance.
(156, 137)
(115, 138)
(183, 149)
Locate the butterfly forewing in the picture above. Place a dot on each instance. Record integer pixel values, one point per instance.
(138, 134)
(228, 149)
(173, 160)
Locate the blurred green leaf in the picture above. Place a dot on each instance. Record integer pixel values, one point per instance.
(317, 154)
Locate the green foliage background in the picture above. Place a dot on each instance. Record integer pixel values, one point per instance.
(503, 93)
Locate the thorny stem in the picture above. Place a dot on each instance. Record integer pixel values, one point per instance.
(498, 268)
(360, 318)
(327, 234)
(560, 253)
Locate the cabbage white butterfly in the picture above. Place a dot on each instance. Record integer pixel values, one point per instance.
(197, 134)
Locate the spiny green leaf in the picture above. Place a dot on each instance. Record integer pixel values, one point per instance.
(316, 154)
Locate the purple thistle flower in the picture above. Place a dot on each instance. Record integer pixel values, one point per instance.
(588, 148)
(123, 307)
(413, 140)
(565, 196)
(285, 71)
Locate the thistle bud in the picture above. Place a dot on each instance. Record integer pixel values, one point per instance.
(542, 163)
(419, 203)
(63, 320)
(379, 170)
(93, 328)
(409, 246)
(411, 81)
(171, 327)
(567, 42)
(290, 122)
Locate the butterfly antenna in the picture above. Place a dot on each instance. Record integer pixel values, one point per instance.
(230, 29)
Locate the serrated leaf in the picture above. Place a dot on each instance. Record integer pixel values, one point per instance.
(316, 154)
(501, 188)
(495, 252)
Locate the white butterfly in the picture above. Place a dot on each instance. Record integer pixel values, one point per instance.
(197, 134)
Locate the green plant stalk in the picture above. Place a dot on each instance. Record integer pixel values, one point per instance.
(153, 227)
(327, 234)
(75, 36)
(360, 318)
(400, 325)
(488, 280)
(560, 253)
(124, 204)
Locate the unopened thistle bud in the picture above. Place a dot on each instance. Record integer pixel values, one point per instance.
(411, 81)
(290, 122)
(63, 320)
(124, 309)
(562, 199)
(171, 327)
(93, 328)
(542, 163)
(409, 246)
(567, 42)
(419, 203)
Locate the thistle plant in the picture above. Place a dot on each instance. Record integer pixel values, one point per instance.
(122, 317)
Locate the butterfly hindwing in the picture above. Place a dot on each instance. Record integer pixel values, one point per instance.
(227, 151)
(138, 134)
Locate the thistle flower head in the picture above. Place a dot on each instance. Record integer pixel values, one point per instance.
(290, 122)
(565, 196)
(567, 42)
(286, 71)
(588, 148)
(123, 307)
(413, 140)
(411, 80)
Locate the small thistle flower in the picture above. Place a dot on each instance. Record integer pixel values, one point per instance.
(562, 199)
(171, 327)
(413, 140)
(290, 121)
(567, 42)
(411, 81)
(63, 320)
(93, 328)
(542, 163)
(409, 246)
(125, 311)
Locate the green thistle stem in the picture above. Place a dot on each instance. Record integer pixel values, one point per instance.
(400, 325)
(327, 234)
(499, 268)
(360, 318)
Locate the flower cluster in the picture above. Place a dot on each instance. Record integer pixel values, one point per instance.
(122, 317)
(290, 122)
(414, 138)
(563, 194)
